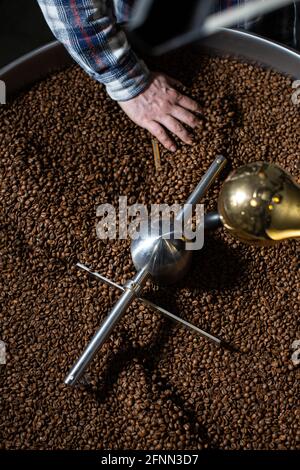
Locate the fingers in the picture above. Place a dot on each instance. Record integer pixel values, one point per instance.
(183, 115)
(162, 108)
(188, 103)
(159, 132)
(177, 128)
(177, 98)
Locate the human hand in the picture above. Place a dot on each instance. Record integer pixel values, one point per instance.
(159, 107)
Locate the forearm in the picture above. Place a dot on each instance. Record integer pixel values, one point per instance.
(97, 45)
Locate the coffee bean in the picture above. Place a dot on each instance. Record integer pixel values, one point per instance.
(65, 148)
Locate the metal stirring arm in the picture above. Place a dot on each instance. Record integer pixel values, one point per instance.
(203, 186)
(153, 306)
(134, 287)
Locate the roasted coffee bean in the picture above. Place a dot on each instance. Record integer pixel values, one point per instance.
(65, 148)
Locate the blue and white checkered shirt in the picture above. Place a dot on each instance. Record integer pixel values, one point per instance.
(98, 44)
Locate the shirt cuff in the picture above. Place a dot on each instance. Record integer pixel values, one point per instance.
(126, 82)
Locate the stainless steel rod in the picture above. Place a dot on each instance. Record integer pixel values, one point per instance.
(182, 322)
(155, 307)
(134, 287)
(240, 13)
(99, 276)
(107, 326)
(212, 221)
(203, 186)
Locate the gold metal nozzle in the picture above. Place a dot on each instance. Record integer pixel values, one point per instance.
(259, 203)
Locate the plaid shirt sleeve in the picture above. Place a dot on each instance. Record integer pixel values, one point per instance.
(98, 45)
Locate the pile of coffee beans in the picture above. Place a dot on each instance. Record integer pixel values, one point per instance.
(65, 148)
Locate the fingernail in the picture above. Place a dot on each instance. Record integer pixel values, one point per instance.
(173, 148)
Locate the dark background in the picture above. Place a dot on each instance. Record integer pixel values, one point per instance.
(23, 28)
